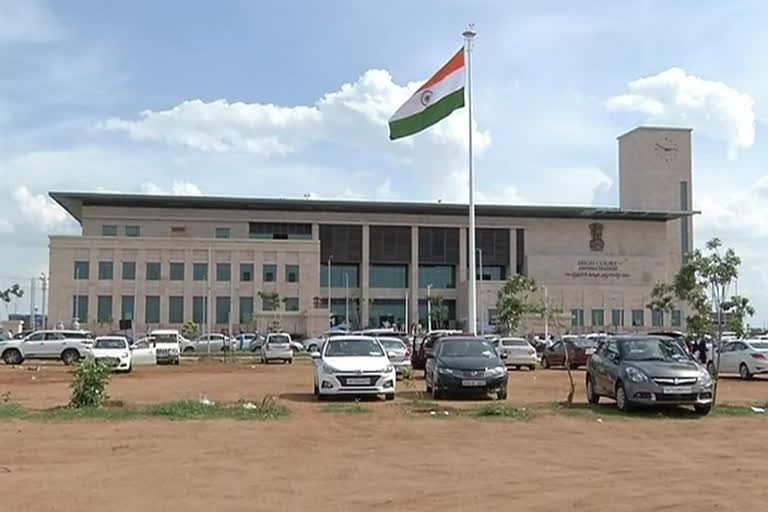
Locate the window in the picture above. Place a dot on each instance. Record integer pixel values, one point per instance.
(176, 310)
(439, 276)
(278, 231)
(153, 271)
(292, 273)
(178, 230)
(222, 310)
(199, 309)
(132, 231)
(106, 269)
(82, 269)
(177, 272)
(291, 303)
(491, 272)
(677, 318)
(80, 308)
(246, 310)
(657, 318)
(638, 318)
(520, 251)
(104, 308)
(387, 312)
(388, 276)
(108, 230)
(617, 317)
(127, 307)
(223, 272)
(223, 233)
(268, 305)
(246, 272)
(200, 271)
(338, 271)
(577, 318)
(152, 309)
(447, 315)
(598, 318)
(129, 270)
(269, 273)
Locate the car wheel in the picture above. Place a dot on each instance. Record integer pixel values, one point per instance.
(129, 370)
(70, 356)
(532, 367)
(744, 372)
(711, 368)
(545, 363)
(622, 401)
(290, 361)
(592, 396)
(389, 396)
(12, 356)
(189, 349)
(317, 391)
(502, 395)
(313, 348)
(176, 361)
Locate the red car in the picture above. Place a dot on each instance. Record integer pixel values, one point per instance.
(579, 352)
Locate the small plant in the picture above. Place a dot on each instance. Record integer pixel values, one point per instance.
(347, 408)
(190, 330)
(268, 408)
(89, 384)
(503, 411)
(9, 408)
(6, 397)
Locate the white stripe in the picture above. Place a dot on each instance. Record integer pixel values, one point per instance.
(444, 87)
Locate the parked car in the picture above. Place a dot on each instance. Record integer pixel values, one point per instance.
(647, 370)
(116, 351)
(579, 352)
(167, 344)
(745, 357)
(277, 346)
(353, 365)
(463, 364)
(68, 346)
(519, 353)
(399, 353)
(315, 343)
(127, 337)
(242, 341)
(256, 343)
(427, 345)
(213, 342)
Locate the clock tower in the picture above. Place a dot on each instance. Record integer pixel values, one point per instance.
(655, 174)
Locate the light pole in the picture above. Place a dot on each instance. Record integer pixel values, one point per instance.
(44, 281)
(480, 308)
(330, 311)
(429, 308)
(77, 299)
(346, 300)
(546, 315)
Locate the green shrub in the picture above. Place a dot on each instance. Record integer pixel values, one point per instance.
(89, 384)
(503, 411)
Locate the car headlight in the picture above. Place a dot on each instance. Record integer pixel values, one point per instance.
(499, 370)
(636, 375)
(445, 371)
(387, 369)
(326, 368)
(174, 351)
(705, 378)
(125, 354)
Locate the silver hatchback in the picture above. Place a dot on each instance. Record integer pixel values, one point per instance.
(398, 352)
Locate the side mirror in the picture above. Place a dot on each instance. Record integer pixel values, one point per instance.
(503, 355)
(315, 355)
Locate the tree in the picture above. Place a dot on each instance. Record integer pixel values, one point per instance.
(738, 309)
(438, 310)
(514, 302)
(190, 330)
(273, 301)
(9, 295)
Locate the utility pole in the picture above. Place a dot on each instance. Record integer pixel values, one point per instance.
(44, 281)
(546, 315)
(480, 298)
(77, 299)
(346, 300)
(32, 323)
(429, 308)
(330, 311)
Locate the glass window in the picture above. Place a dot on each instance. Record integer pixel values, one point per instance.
(129, 270)
(388, 276)
(246, 309)
(617, 317)
(178, 230)
(176, 310)
(444, 318)
(106, 270)
(598, 317)
(269, 273)
(223, 272)
(338, 271)
(269, 305)
(291, 303)
(80, 308)
(439, 276)
(104, 308)
(153, 271)
(223, 233)
(246, 272)
(492, 273)
(577, 318)
(279, 231)
(657, 318)
(199, 309)
(132, 231)
(82, 268)
(108, 230)
(292, 273)
(387, 312)
(127, 307)
(200, 271)
(177, 272)
(677, 318)
(222, 310)
(152, 309)
(638, 318)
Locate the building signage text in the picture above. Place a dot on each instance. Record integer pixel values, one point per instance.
(598, 269)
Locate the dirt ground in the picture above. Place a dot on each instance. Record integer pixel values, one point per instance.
(386, 460)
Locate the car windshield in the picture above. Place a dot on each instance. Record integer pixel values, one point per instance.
(110, 343)
(165, 338)
(514, 343)
(280, 338)
(466, 348)
(759, 345)
(392, 344)
(353, 348)
(584, 342)
(651, 349)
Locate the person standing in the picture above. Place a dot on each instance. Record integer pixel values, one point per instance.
(703, 350)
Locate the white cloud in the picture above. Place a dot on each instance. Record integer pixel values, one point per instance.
(179, 188)
(40, 211)
(6, 228)
(27, 21)
(710, 107)
(741, 213)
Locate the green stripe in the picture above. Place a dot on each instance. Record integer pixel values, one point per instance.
(426, 118)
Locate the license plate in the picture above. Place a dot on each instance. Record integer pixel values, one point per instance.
(677, 390)
(472, 383)
(354, 381)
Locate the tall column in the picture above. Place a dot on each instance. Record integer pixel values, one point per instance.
(364, 276)
(413, 278)
(512, 253)
(461, 275)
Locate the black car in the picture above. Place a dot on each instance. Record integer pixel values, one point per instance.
(465, 365)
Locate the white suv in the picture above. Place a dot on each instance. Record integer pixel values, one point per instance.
(68, 346)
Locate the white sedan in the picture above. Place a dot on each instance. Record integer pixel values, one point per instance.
(519, 352)
(353, 365)
(114, 350)
(745, 357)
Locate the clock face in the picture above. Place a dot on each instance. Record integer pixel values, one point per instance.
(666, 149)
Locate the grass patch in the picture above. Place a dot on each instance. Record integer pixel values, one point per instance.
(11, 410)
(193, 410)
(659, 412)
(347, 408)
(81, 413)
(500, 410)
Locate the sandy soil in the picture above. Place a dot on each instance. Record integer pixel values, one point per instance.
(380, 461)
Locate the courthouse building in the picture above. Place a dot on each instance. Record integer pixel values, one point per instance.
(155, 259)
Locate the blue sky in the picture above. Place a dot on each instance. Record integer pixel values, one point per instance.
(246, 97)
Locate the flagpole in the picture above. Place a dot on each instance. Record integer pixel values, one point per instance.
(469, 35)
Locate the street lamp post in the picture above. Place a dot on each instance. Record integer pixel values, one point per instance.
(346, 300)
(429, 308)
(480, 308)
(330, 311)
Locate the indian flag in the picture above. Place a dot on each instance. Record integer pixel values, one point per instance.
(435, 100)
